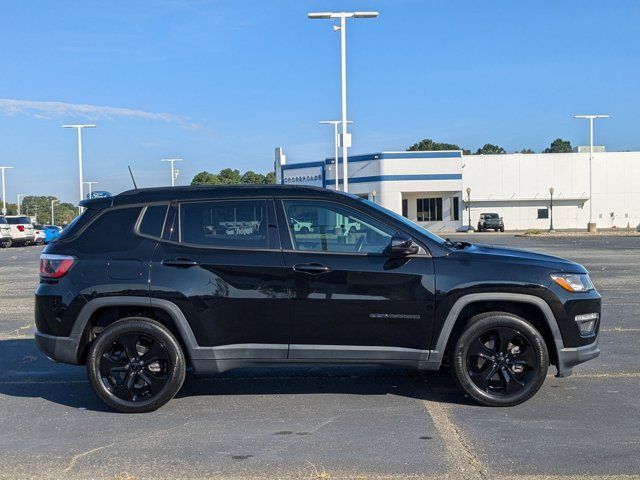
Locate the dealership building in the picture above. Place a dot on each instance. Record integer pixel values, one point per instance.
(438, 189)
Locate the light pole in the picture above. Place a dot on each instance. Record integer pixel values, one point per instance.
(174, 173)
(91, 184)
(551, 190)
(20, 195)
(469, 207)
(80, 180)
(53, 202)
(345, 139)
(335, 124)
(591, 117)
(4, 193)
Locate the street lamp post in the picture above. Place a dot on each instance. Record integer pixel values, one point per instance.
(90, 185)
(19, 203)
(335, 124)
(80, 180)
(4, 192)
(591, 226)
(469, 207)
(345, 139)
(551, 190)
(174, 173)
(53, 202)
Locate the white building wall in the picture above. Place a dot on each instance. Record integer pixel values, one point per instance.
(517, 185)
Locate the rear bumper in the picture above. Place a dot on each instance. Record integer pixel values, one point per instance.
(570, 357)
(58, 349)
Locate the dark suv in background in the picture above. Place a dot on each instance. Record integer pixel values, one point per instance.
(148, 282)
(490, 221)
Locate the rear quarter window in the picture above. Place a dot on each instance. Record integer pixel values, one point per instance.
(3, 221)
(111, 231)
(153, 220)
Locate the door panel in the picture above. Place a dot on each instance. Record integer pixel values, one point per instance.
(349, 304)
(230, 296)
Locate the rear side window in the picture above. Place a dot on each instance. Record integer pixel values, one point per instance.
(110, 232)
(153, 220)
(231, 224)
(3, 221)
(18, 220)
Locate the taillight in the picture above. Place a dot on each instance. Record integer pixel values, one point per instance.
(21, 228)
(55, 266)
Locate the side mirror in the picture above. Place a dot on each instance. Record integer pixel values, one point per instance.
(402, 244)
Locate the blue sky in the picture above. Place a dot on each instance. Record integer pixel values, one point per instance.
(222, 83)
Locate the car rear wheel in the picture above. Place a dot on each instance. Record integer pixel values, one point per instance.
(7, 243)
(500, 359)
(136, 365)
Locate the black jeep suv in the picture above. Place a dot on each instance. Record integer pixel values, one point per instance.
(148, 282)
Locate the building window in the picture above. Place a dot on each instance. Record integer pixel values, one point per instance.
(429, 209)
(405, 208)
(455, 208)
(543, 213)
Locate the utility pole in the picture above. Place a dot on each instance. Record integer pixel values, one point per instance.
(90, 185)
(335, 124)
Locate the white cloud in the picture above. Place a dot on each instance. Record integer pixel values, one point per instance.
(48, 110)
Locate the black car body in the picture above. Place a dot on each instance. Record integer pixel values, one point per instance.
(221, 270)
(490, 221)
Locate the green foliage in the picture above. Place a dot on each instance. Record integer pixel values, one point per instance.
(39, 208)
(229, 176)
(428, 145)
(559, 146)
(490, 149)
(527, 150)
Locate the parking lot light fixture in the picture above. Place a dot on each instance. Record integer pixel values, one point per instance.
(335, 124)
(4, 191)
(591, 118)
(174, 172)
(53, 202)
(81, 182)
(20, 195)
(551, 190)
(345, 140)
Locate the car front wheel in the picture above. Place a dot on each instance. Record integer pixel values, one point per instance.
(500, 359)
(136, 365)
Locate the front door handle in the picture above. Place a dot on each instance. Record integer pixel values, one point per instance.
(311, 268)
(180, 263)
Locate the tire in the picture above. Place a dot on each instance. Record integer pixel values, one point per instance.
(481, 366)
(7, 243)
(304, 231)
(502, 229)
(144, 384)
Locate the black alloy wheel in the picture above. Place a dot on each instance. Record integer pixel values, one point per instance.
(500, 359)
(136, 365)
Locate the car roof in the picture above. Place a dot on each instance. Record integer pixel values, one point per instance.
(196, 192)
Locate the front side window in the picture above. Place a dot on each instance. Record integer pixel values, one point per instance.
(328, 227)
(230, 224)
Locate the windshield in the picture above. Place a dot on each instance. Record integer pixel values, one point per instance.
(491, 215)
(405, 221)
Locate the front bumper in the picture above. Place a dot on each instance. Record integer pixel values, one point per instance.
(572, 356)
(58, 349)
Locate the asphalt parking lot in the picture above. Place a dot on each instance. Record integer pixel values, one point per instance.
(331, 423)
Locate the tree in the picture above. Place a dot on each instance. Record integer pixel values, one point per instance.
(39, 208)
(270, 178)
(205, 178)
(252, 177)
(490, 149)
(229, 176)
(559, 146)
(527, 150)
(429, 145)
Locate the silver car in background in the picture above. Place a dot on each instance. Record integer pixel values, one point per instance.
(5, 233)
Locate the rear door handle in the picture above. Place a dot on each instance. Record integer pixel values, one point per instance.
(311, 268)
(180, 263)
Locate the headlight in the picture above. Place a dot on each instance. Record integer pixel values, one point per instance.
(573, 282)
